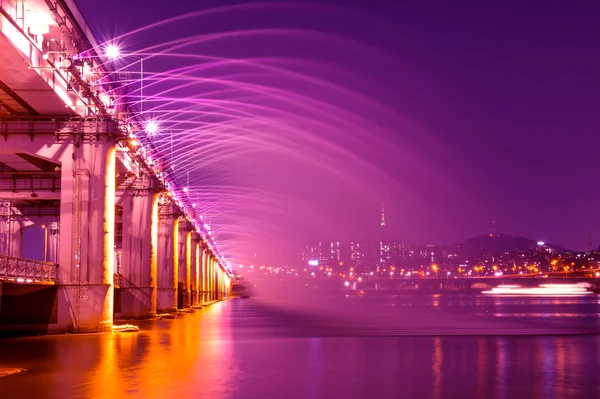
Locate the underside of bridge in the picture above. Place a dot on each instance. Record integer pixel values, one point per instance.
(114, 241)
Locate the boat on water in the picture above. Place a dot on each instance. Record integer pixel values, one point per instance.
(543, 290)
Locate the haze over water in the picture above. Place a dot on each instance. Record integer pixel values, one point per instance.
(301, 118)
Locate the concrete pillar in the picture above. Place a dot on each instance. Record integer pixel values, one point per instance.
(4, 236)
(218, 281)
(188, 269)
(203, 273)
(12, 225)
(168, 258)
(15, 237)
(221, 289)
(11, 237)
(86, 252)
(209, 276)
(53, 229)
(196, 269)
(227, 286)
(138, 258)
(185, 260)
(213, 277)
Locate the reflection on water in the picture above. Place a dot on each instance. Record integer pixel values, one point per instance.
(246, 349)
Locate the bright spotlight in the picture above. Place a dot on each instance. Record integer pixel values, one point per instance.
(185, 189)
(112, 51)
(151, 127)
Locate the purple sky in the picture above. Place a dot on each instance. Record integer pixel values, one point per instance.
(491, 115)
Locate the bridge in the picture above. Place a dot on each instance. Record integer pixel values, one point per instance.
(464, 284)
(122, 239)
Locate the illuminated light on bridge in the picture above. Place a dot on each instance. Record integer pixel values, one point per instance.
(112, 51)
(542, 290)
(151, 127)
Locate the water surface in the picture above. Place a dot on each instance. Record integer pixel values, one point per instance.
(247, 348)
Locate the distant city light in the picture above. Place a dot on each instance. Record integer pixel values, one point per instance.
(313, 262)
(347, 283)
(540, 243)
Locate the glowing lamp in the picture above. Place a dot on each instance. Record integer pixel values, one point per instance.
(39, 30)
(151, 127)
(39, 22)
(112, 51)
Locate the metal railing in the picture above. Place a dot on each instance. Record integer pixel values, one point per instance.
(141, 295)
(27, 270)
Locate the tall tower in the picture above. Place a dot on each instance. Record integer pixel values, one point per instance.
(382, 216)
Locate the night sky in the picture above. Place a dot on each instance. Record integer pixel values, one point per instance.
(475, 113)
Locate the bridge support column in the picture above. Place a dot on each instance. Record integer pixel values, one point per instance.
(203, 273)
(213, 278)
(138, 261)
(86, 250)
(53, 229)
(219, 282)
(209, 277)
(196, 269)
(185, 264)
(11, 236)
(168, 258)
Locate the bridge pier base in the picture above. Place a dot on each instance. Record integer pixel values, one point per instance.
(185, 264)
(196, 269)
(84, 309)
(168, 259)
(87, 220)
(139, 256)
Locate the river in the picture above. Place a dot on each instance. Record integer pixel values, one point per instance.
(395, 346)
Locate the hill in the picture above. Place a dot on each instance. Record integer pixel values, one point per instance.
(499, 243)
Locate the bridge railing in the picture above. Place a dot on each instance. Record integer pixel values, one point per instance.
(27, 270)
(141, 295)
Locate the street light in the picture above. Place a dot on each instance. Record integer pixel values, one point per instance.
(45, 242)
(113, 52)
(151, 127)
